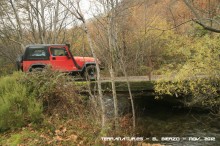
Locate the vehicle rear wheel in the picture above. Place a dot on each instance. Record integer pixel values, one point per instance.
(37, 69)
(90, 73)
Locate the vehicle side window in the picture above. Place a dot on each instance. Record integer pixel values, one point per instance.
(57, 51)
(36, 54)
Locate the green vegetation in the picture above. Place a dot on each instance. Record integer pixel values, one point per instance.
(6, 67)
(150, 37)
(41, 103)
(26, 97)
(18, 107)
(43, 108)
(196, 72)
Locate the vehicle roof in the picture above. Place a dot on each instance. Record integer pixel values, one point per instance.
(44, 45)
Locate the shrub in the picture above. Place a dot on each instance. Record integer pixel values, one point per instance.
(194, 71)
(25, 98)
(54, 90)
(17, 108)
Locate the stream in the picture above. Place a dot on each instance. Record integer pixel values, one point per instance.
(163, 122)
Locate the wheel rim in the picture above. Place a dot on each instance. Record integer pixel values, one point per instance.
(91, 73)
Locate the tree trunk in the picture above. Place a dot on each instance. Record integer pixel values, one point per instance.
(114, 94)
(84, 24)
(20, 32)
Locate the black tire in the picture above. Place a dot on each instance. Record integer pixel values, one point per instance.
(90, 73)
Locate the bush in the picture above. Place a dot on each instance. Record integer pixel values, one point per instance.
(54, 90)
(194, 71)
(17, 108)
(25, 98)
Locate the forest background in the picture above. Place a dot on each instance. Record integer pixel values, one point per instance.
(177, 39)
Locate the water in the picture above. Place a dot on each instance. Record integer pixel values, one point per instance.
(165, 120)
(193, 126)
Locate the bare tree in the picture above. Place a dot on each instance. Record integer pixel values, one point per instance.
(80, 16)
(206, 21)
(110, 30)
(110, 7)
(24, 22)
(47, 20)
(18, 21)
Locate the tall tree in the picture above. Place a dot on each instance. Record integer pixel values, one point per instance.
(24, 22)
(77, 12)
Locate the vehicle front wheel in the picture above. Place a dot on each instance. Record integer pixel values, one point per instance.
(90, 73)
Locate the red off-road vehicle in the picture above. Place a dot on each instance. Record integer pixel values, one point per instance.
(59, 57)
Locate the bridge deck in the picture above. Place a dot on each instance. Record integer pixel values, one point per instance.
(137, 83)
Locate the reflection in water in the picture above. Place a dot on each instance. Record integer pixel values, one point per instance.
(160, 118)
(157, 118)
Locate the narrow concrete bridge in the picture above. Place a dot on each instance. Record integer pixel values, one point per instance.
(139, 84)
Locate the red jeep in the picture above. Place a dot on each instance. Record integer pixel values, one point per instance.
(59, 57)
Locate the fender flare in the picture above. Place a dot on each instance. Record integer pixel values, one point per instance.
(41, 65)
(87, 64)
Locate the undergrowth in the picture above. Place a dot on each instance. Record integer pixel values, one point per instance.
(45, 108)
(27, 98)
(17, 106)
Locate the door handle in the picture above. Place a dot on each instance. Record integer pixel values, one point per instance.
(53, 58)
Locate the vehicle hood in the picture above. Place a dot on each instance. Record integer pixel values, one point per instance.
(85, 59)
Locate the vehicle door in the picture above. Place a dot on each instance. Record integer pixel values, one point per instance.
(61, 60)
